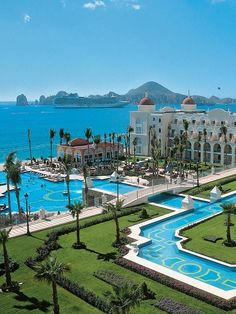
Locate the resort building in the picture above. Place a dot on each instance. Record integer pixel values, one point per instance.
(83, 151)
(205, 140)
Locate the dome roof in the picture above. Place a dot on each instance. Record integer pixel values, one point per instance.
(146, 101)
(188, 101)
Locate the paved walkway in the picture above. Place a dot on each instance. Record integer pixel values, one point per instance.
(52, 222)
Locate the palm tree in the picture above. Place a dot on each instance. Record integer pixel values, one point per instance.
(149, 139)
(114, 208)
(61, 134)
(15, 179)
(228, 208)
(113, 136)
(135, 142)
(96, 141)
(119, 139)
(205, 140)
(130, 130)
(155, 153)
(105, 148)
(67, 137)
(224, 131)
(49, 271)
(85, 175)
(186, 125)
(52, 134)
(75, 209)
(110, 145)
(199, 154)
(126, 147)
(7, 166)
(124, 298)
(30, 148)
(4, 236)
(67, 165)
(88, 134)
(168, 139)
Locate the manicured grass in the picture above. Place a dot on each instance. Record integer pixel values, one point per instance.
(215, 226)
(83, 263)
(228, 187)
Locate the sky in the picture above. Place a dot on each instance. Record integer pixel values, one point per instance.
(96, 46)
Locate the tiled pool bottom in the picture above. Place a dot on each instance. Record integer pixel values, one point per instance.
(163, 251)
(49, 195)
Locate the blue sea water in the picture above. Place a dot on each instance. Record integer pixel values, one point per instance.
(15, 120)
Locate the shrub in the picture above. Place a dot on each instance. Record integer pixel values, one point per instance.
(143, 214)
(177, 285)
(13, 265)
(117, 280)
(83, 293)
(173, 307)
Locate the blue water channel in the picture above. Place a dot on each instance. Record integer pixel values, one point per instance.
(49, 195)
(163, 249)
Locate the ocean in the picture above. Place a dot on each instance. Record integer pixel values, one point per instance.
(16, 120)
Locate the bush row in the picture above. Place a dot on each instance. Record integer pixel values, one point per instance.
(173, 307)
(207, 187)
(83, 293)
(117, 280)
(177, 285)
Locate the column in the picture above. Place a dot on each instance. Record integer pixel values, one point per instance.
(222, 153)
(212, 153)
(202, 152)
(233, 155)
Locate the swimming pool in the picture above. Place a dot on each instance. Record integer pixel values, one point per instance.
(49, 195)
(162, 249)
(173, 200)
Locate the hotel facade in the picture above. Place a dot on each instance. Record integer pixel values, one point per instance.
(167, 123)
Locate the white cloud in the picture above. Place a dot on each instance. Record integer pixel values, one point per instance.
(27, 18)
(136, 6)
(94, 5)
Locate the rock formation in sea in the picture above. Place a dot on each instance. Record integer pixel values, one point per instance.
(21, 100)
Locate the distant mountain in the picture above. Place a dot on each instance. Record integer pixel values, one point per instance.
(161, 94)
(157, 92)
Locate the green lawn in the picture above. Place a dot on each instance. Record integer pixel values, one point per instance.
(83, 264)
(228, 187)
(215, 226)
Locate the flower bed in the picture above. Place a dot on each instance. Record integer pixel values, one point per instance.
(173, 307)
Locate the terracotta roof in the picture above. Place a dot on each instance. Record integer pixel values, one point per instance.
(78, 142)
(146, 101)
(188, 101)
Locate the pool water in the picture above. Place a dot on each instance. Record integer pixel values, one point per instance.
(173, 200)
(49, 195)
(164, 251)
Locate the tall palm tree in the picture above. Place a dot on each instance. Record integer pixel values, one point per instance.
(125, 136)
(228, 208)
(119, 139)
(96, 141)
(4, 236)
(205, 141)
(49, 271)
(114, 208)
(67, 165)
(75, 209)
(85, 175)
(67, 137)
(124, 299)
(52, 134)
(168, 139)
(199, 138)
(129, 131)
(15, 179)
(110, 145)
(7, 166)
(113, 136)
(224, 131)
(30, 147)
(61, 134)
(149, 139)
(105, 148)
(88, 134)
(155, 153)
(135, 142)
(186, 125)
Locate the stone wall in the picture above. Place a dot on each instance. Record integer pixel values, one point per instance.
(95, 198)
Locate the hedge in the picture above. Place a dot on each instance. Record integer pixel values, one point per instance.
(173, 307)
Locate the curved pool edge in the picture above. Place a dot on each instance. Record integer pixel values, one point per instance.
(132, 256)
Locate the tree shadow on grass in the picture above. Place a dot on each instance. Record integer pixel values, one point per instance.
(34, 303)
(103, 256)
(33, 236)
